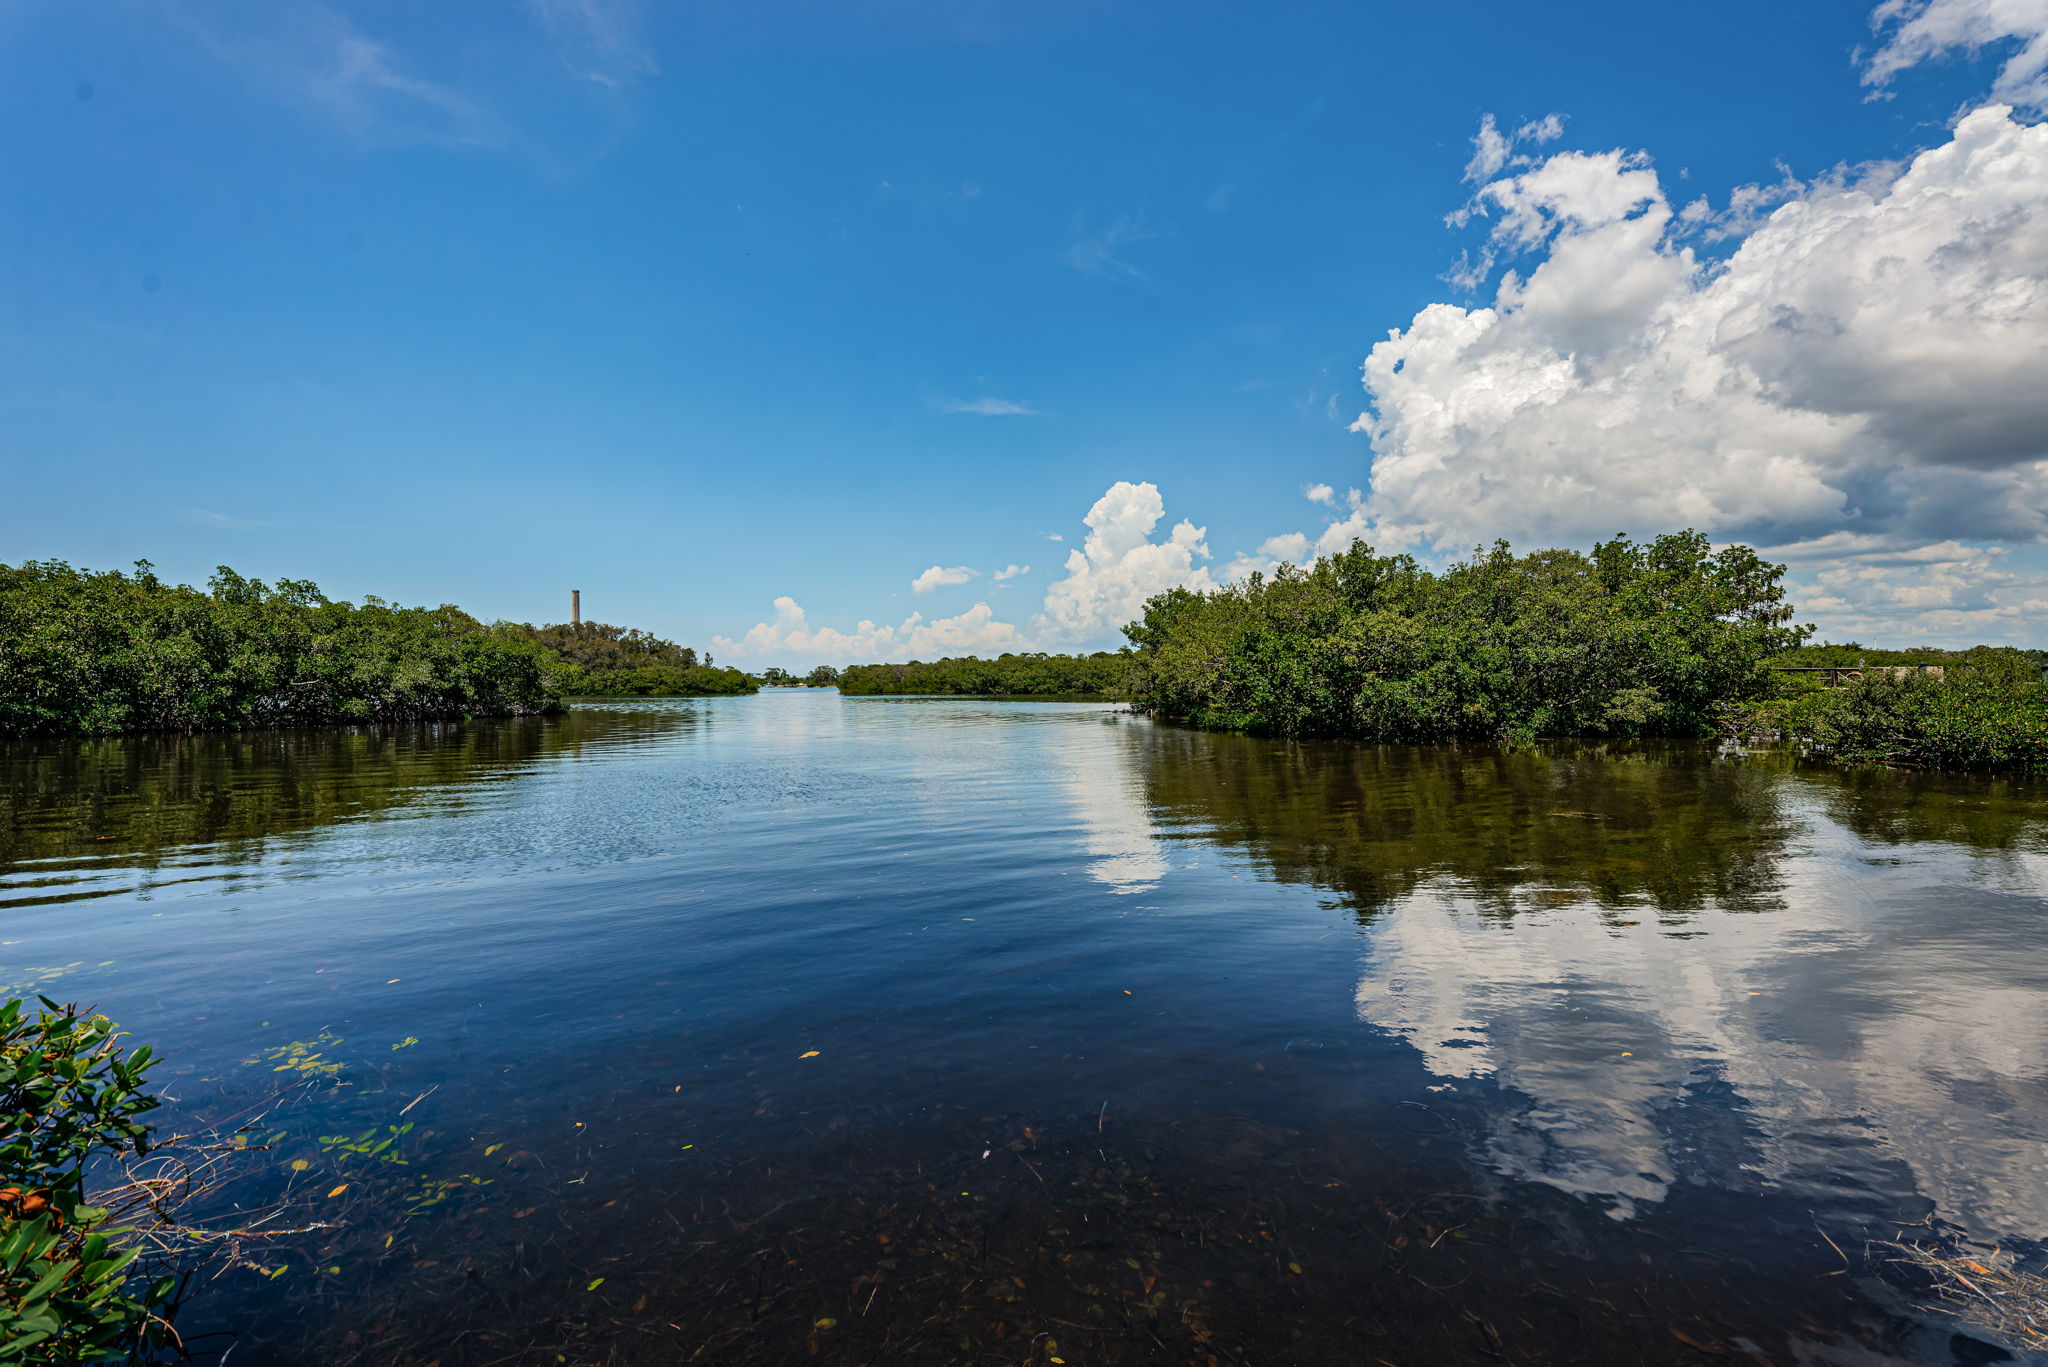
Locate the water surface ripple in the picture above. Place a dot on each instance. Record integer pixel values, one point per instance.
(903, 1030)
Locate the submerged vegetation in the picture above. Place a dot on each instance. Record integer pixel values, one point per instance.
(85, 653)
(1103, 674)
(1629, 640)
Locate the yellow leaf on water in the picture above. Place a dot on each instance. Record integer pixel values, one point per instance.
(337, 1191)
(811, 1054)
(300, 1165)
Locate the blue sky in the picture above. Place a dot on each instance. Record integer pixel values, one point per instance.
(698, 307)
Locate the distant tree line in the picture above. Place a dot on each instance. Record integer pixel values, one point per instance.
(100, 653)
(1103, 674)
(1851, 653)
(595, 660)
(823, 676)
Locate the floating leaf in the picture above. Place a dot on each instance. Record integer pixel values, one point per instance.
(337, 1191)
(811, 1054)
(595, 1284)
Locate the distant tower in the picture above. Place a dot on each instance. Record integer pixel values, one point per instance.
(575, 607)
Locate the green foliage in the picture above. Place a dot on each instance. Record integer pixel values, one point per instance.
(1630, 640)
(824, 676)
(656, 681)
(596, 660)
(68, 1095)
(1102, 674)
(94, 654)
(1988, 714)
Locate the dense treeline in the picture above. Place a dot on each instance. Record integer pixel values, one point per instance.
(1628, 640)
(1103, 674)
(595, 660)
(85, 653)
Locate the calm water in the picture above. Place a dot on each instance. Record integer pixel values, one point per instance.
(915, 1031)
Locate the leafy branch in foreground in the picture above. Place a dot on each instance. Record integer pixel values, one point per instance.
(69, 1095)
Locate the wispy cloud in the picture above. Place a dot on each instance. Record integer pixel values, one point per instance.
(598, 40)
(317, 58)
(1011, 572)
(1096, 253)
(986, 407)
(1492, 149)
(213, 519)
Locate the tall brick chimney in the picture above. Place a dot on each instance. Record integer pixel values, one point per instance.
(575, 607)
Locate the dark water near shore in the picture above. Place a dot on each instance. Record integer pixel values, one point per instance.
(898, 1030)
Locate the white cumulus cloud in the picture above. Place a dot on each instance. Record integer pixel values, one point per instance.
(1875, 355)
(939, 576)
(1105, 584)
(1111, 574)
(1870, 361)
(974, 632)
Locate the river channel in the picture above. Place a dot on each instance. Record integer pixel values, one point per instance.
(901, 1030)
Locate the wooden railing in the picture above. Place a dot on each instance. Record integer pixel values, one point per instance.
(1841, 674)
